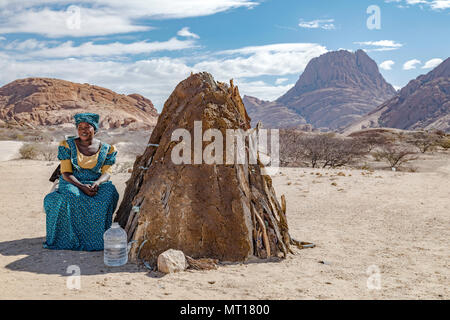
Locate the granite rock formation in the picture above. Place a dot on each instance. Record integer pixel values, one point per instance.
(47, 102)
(422, 104)
(335, 90)
(272, 114)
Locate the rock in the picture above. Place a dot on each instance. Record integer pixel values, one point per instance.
(227, 212)
(50, 102)
(423, 104)
(274, 115)
(335, 89)
(171, 261)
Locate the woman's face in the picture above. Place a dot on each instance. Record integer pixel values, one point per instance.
(85, 131)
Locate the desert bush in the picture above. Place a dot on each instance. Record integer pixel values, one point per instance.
(29, 151)
(396, 155)
(439, 133)
(424, 141)
(290, 152)
(47, 152)
(444, 143)
(38, 151)
(322, 150)
(371, 139)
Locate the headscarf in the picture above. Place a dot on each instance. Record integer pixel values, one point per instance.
(91, 118)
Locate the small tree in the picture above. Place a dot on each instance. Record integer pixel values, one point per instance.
(329, 151)
(424, 141)
(48, 152)
(396, 155)
(29, 151)
(371, 140)
(444, 143)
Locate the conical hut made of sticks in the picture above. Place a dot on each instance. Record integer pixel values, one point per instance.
(215, 210)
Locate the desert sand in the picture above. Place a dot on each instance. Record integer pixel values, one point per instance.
(394, 222)
(9, 150)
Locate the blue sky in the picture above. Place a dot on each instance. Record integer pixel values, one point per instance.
(149, 46)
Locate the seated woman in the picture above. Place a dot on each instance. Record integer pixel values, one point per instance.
(81, 209)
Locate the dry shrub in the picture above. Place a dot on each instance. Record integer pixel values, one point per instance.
(29, 151)
(372, 139)
(396, 155)
(48, 152)
(424, 141)
(321, 150)
(38, 151)
(444, 143)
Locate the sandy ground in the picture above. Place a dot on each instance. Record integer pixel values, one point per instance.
(9, 150)
(395, 222)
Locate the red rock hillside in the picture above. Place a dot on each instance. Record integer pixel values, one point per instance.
(46, 102)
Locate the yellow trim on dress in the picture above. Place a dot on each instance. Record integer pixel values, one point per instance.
(85, 162)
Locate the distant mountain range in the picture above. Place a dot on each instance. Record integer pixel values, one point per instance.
(345, 91)
(335, 90)
(340, 91)
(44, 102)
(423, 104)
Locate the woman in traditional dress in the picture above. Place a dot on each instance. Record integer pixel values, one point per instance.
(81, 209)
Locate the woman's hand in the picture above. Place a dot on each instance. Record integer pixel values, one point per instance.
(88, 189)
(95, 185)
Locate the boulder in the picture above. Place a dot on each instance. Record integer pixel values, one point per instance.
(172, 261)
(50, 102)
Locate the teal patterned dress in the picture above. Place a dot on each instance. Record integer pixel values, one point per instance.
(74, 220)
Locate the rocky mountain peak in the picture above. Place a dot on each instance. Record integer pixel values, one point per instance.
(47, 101)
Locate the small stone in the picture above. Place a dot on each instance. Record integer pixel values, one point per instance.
(211, 282)
(171, 261)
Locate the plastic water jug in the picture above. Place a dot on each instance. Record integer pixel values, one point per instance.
(115, 246)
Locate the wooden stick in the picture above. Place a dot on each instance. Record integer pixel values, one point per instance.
(264, 232)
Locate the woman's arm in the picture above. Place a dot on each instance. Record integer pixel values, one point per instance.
(87, 189)
(103, 178)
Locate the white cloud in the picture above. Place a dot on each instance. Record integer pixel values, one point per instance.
(412, 2)
(89, 49)
(433, 63)
(275, 59)
(387, 65)
(411, 64)
(156, 78)
(186, 33)
(281, 80)
(381, 45)
(440, 4)
(101, 17)
(273, 48)
(327, 24)
(433, 4)
(261, 89)
(52, 23)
